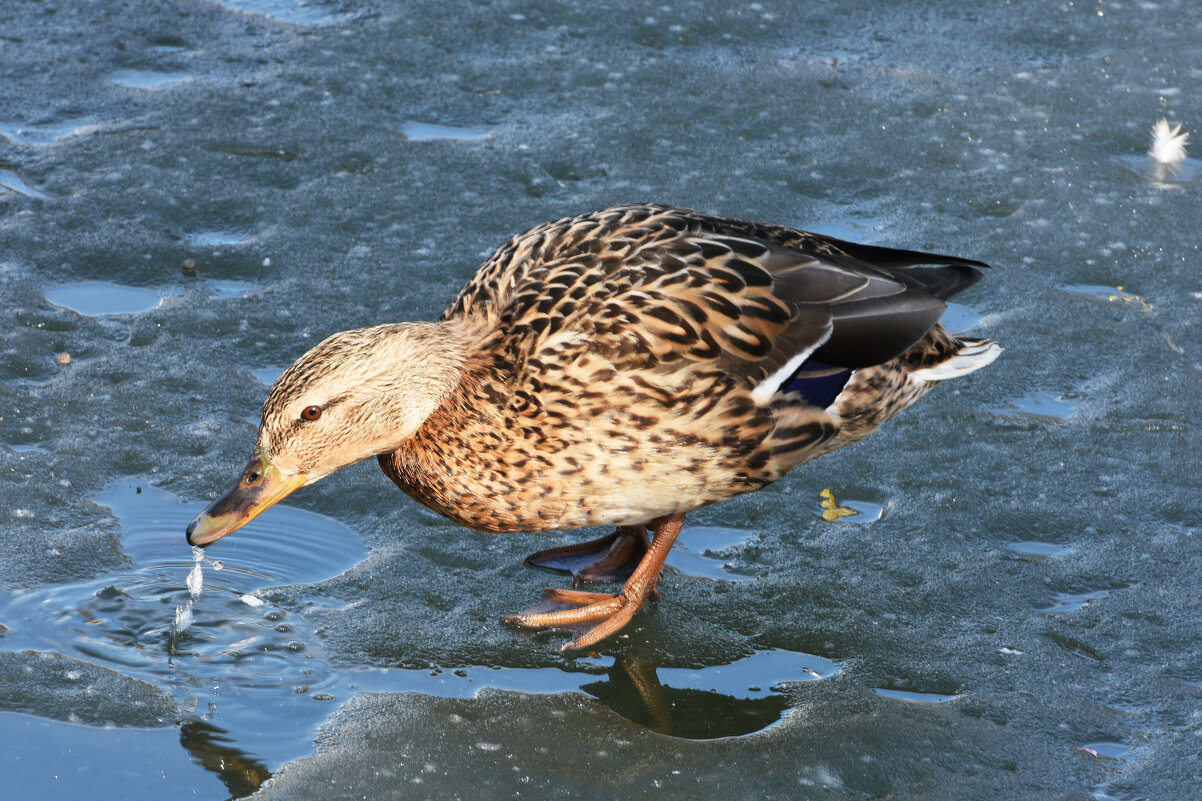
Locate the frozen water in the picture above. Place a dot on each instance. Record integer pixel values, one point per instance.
(1013, 133)
(13, 182)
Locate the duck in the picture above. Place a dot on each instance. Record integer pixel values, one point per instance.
(623, 368)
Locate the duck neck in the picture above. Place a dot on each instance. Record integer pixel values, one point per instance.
(449, 349)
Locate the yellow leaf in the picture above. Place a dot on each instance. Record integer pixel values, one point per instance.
(831, 510)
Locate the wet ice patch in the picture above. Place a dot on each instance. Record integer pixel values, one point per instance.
(730, 700)
(959, 318)
(1038, 407)
(1037, 549)
(1109, 294)
(707, 552)
(41, 134)
(267, 375)
(314, 13)
(1106, 749)
(864, 230)
(753, 676)
(1072, 601)
(231, 289)
(425, 132)
(847, 510)
(13, 182)
(1187, 172)
(914, 697)
(216, 239)
(148, 79)
(741, 698)
(100, 298)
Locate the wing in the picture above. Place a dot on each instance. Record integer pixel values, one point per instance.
(647, 287)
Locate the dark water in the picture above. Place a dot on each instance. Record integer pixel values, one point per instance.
(193, 193)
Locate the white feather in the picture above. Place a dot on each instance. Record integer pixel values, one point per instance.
(766, 389)
(1168, 142)
(970, 358)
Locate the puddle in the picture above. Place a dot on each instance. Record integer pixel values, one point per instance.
(699, 552)
(1040, 549)
(249, 672)
(316, 13)
(51, 760)
(296, 547)
(753, 676)
(709, 703)
(1071, 602)
(148, 79)
(99, 298)
(731, 700)
(1108, 294)
(1105, 749)
(913, 697)
(15, 183)
(425, 132)
(234, 652)
(960, 318)
(1039, 407)
(862, 511)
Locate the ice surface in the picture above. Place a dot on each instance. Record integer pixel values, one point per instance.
(63, 688)
(1013, 133)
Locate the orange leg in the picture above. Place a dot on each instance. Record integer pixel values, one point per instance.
(607, 612)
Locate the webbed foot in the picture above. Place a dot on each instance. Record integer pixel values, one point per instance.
(613, 557)
(593, 616)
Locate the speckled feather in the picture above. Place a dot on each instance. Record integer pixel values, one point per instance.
(615, 359)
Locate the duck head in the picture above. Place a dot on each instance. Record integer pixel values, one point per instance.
(357, 394)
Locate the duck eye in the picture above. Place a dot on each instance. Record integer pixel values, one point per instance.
(310, 413)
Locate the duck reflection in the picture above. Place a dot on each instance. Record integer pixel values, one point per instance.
(210, 748)
(634, 690)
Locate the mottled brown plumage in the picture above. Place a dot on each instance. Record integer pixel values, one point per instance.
(620, 368)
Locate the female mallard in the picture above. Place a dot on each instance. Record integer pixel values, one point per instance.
(617, 368)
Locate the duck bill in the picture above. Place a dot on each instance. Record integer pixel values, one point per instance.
(261, 486)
